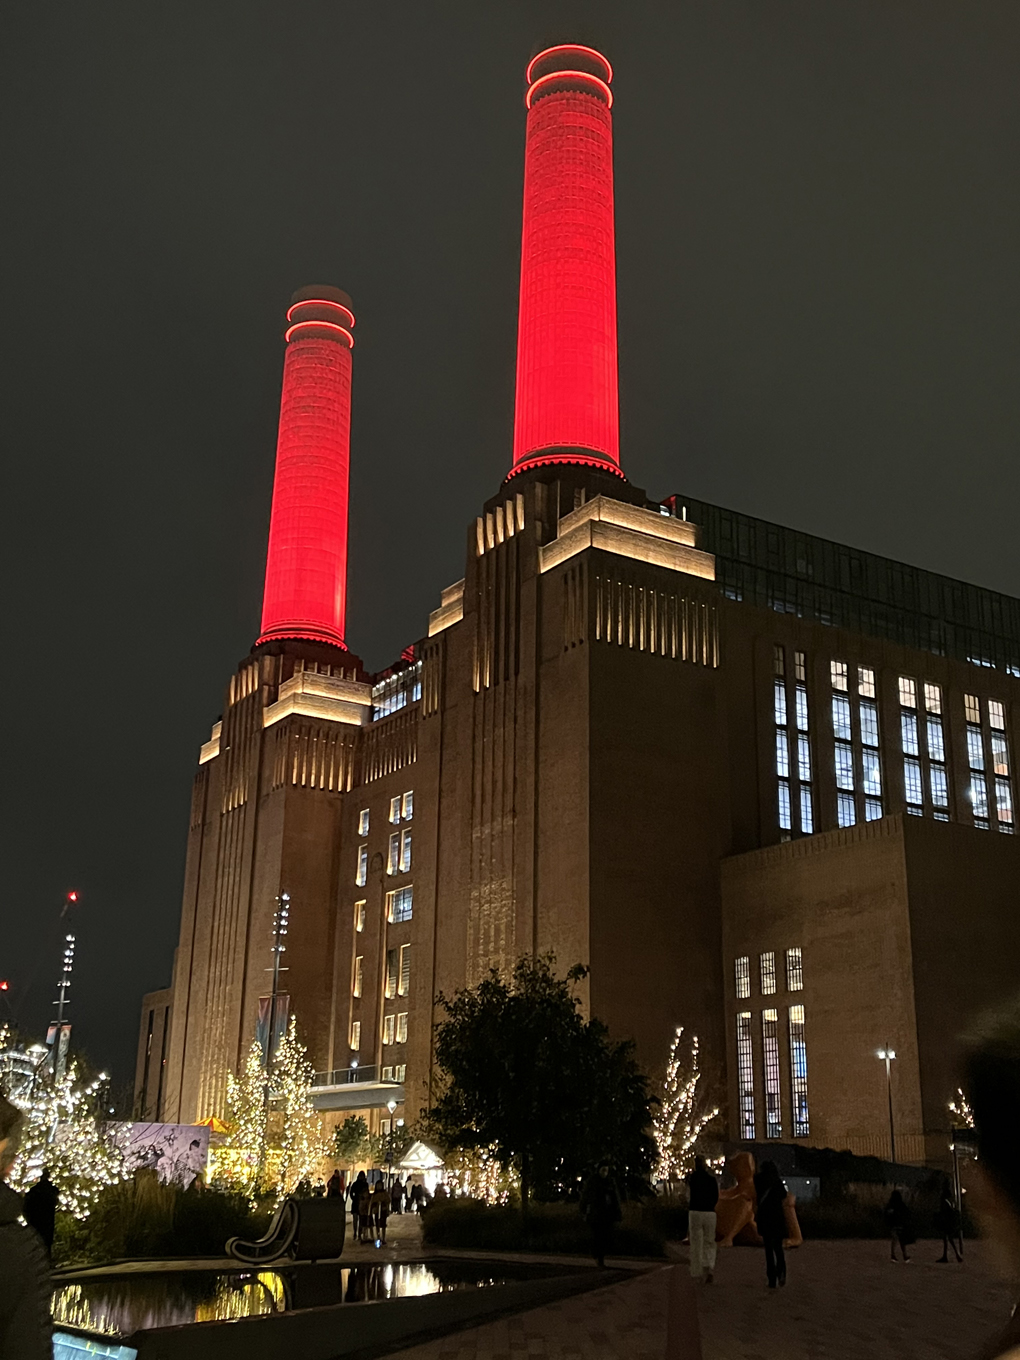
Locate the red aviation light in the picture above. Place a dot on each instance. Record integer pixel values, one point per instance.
(567, 399)
(306, 565)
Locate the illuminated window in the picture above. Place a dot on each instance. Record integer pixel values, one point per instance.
(939, 787)
(405, 851)
(767, 966)
(798, 1073)
(388, 1024)
(976, 761)
(914, 788)
(742, 977)
(399, 905)
(785, 815)
(933, 698)
(936, 741)
(872, 809)
(770, 1053)
(355, 1034)
(402, 1028)
(363, 822)
(841, 718)
(400, 1074)
(975, 748)
(392, 973)
(800, 696)
(794, 970)
(972, 708)
(908, 733)
(780, 704)
(745, 1075)
(979, 801)
(395, 809)
(359, 916)
(838, 672)
(779, 660)
(844, 767)
(782, 754)
(1000, 754)
(387, 1075)
(362, 877)
(871, 770)
(996, 715)
(807, 815)
(869, 723)
(359, 970)
(1004, 804)
(846, 809)
(908, 692)
(799, 669)
(393, 858)
(407, 805)
(866, 682)
(804, 760)
(404, 983)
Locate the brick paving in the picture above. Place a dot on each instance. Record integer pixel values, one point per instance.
(843, 1301)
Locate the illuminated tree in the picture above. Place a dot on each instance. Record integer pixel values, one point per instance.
(960, 1111)
(683, 1112)
(242, 1161)
(63, 1133)
(301, 1145)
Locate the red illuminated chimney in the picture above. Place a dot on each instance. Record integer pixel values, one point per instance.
(567, 408)
(306, 567)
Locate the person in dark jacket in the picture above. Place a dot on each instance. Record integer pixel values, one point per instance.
(703, 1189)
(770, 1217)
(947, 1220)
(40, 1211)
(600, 1204)
(24, 1269)
(397, 1197)
(359, 1187)
(335, 1186)
(897, 1220)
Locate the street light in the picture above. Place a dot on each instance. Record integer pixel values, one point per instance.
(889, 1055)
(391, 1105)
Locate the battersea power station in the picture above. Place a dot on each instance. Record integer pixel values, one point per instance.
(762, 784)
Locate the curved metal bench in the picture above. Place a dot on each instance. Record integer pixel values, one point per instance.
(302, 1229)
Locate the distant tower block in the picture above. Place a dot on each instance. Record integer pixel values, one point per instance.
(306, 567)
(567, 405)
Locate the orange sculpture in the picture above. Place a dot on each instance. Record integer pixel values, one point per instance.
(734, 1213)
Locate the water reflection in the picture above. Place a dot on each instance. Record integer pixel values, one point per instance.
(122, 1304)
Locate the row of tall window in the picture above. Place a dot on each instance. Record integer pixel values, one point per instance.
(794, 973)
(398, 860)
(399, 907)
(394, 1031)
(398, 972)
(857, 760)
(397, 1072)
(771, 1074)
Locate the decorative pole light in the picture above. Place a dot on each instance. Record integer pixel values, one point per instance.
(567, 402)
(306, 566)
(889, 1056)
(281, 923)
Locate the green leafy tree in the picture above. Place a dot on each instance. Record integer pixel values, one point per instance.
(351, 1141)
(527, 1078)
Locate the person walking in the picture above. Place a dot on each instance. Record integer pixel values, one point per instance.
(335, 1186)
(770, 1218)
(897, 1220)
(600, 1204)
(703, 1189)
(380, 1211)
(357, 1187)
(25, 1332)
(40, 1210)
(397, 1197)
(947, 1220)
(364, 1207)
(417, 1196)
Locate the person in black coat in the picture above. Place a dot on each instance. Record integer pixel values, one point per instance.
(24, 1270)
(40, 1210)
(947, 1220)
(359, 1188)
(897, 1220)
(600, 1204)
(770, 1217)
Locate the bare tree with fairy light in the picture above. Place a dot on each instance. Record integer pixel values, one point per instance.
(684, 1110)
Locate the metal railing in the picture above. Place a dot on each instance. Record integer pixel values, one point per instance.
(347, 1076)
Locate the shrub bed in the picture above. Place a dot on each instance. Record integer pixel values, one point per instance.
(471, 1224)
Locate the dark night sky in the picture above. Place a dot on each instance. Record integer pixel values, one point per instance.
(817, 213)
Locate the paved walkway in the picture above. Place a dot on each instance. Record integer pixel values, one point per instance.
(843, 1301)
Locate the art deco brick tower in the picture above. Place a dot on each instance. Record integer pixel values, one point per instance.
(268, 793)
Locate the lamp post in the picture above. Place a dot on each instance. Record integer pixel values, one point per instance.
(889, 1055)
(391, 1105)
